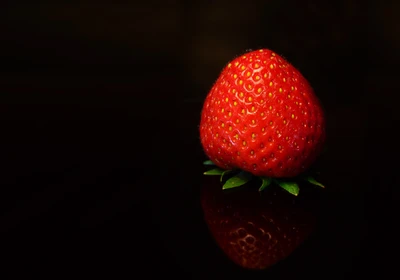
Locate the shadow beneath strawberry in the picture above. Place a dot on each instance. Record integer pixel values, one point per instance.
(257, 230)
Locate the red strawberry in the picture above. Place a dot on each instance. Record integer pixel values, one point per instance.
(261, 116)
(256, 230)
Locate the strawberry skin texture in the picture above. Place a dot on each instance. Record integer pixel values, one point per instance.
(257, 231)
(262, 116)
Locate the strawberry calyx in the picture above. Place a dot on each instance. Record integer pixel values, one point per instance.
(236, 178)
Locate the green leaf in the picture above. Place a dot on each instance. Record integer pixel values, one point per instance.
(237, 181)
(314, 182)
(215, 171)
(223, 174)
(265, 183)
(208, 162)
(291, 187)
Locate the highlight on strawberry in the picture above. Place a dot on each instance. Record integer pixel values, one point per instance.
(262, 119)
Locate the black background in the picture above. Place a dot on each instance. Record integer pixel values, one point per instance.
(99, 150)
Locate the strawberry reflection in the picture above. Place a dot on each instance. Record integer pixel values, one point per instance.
(257, 229)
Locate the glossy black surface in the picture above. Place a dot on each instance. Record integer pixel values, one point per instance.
(99, 150)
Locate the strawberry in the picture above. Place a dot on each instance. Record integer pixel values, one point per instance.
(256, 230)
(262, 117)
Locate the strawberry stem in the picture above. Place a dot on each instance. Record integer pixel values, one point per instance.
(239, 178)
(313, 181)
(291, 187)
(223, 174)
(266, 181)
(215, 171)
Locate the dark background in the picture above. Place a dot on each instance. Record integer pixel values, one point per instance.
(99, 150)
